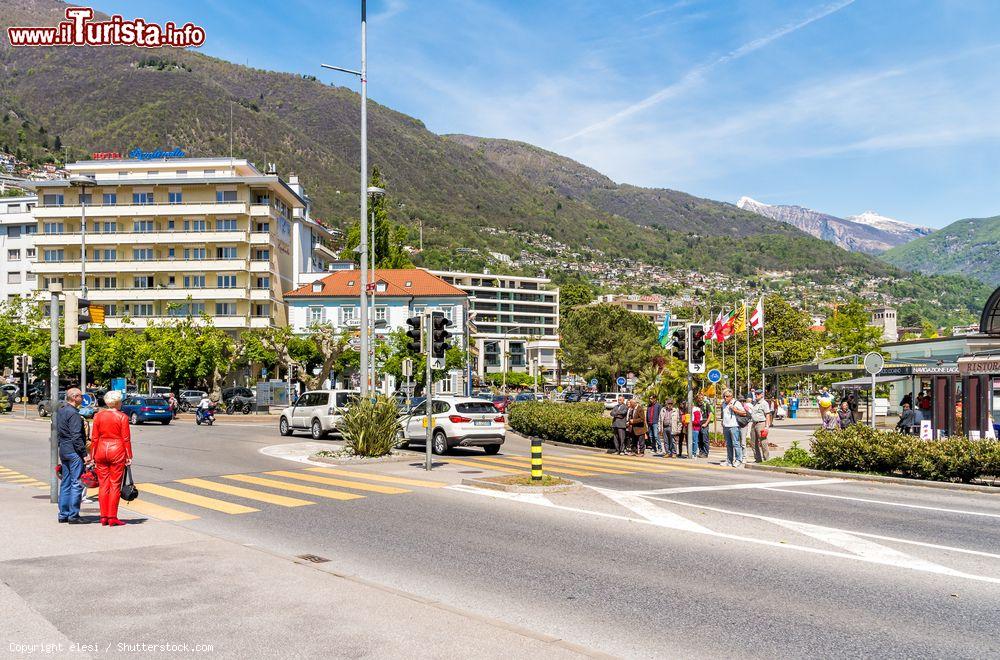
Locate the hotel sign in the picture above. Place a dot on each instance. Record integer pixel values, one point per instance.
(139, 154)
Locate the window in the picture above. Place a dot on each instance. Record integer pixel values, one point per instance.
(142, 226)
(261, 254)
(226, 281)
(13, 255)
(152, 173)
(228, 224)
(171, 253)
(14, 278)
(225, 253)
(381, 312)
(170, 224)
(53, 228)
(107, 282)
(86, 198)
(175, 198)
(181, 172)
(14, 231)
(142, 198)
(262, 227)
(54, 255)
(449, 312)
(52, 200)
(315, 315)
(29, 253)
(225, 309)
(261, 310)
(142, 254)
(108, 227)
(110, 309)
(195, 225)
(140, 309)
(109, 199)
(317, 287)
(224, 195)
(194, 281)
(262, 282)
(29, 229)
(31, 277)
(186, 309)
(194, 253)
(142, 282)
(13, 208)
(109, 254)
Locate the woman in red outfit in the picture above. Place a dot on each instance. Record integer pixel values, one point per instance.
(112, 451)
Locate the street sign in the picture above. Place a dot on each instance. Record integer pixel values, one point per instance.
(714, 376)
(118, 384)
(407, 367)
(593, 382)
(88, 400)
(621, 381)
(874, 363)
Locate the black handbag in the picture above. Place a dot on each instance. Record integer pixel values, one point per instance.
(129, 491)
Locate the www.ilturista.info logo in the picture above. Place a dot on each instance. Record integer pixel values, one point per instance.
(80, 30)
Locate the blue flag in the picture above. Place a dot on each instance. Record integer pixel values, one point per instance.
(665, 330)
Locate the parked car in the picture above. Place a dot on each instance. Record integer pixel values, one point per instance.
(141, 409)
(572, 397)
(457, 422)
(521, 397)
(610, 399)
(10, 390)
(501, 402)
(45, 405)
(319, 411)
(37, 391)
(161, 389)
(191, 397)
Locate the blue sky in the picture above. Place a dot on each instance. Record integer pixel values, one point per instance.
(839, 105)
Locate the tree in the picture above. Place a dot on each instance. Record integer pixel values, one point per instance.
(391, 353)
(390, 238)
(330, 346)
(606, 341)
(573, 295)
(513, 379)
(57, 145)
(848, 331)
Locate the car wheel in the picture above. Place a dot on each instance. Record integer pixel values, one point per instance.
(440, 442)
(133, 419)
(283, 427)
(492, 449)
(401, 440)
(317, 430)
(164, 421)
(41, 412)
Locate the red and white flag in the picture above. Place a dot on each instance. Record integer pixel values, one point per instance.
(717, 332)
(757, 317)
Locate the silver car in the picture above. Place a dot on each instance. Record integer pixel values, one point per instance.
(457, 422)
(319, 411)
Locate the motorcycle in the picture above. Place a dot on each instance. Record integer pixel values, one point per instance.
(204, 416)
(235, 405)
(184, 406)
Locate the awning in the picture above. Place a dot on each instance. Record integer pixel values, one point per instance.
(866, 381)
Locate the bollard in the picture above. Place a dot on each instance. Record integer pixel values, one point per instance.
(536, 459)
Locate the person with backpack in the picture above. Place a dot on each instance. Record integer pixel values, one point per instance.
(734, 418)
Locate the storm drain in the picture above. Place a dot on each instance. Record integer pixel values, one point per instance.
(316, 559)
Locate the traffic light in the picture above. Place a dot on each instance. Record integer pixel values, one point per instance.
(77, 315)
(18, 364)
(696, 360)
(679, 344)
(96, 313)
(415, 344)
(439, 338)
(150, 367)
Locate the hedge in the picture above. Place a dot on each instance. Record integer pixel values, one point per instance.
(575, 423)
(863, 449)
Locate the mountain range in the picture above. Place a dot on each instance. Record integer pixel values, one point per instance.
(868, 232)
(969, 247)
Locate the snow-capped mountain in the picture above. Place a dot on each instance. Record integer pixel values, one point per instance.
(868, 232)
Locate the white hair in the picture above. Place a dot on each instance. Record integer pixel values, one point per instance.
(112, 397)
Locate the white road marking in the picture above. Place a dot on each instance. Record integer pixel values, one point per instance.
(651, 512)
(299, 451)
(527, 498)
(908, 506)
(761, 484)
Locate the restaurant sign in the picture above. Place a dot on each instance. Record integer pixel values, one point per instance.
(139, 154)
(987, 364)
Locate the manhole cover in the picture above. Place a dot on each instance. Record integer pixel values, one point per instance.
(316, 559)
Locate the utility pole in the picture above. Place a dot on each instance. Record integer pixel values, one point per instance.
(55, 289)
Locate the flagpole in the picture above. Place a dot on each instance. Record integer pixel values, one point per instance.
(763, 380)
(746, 325)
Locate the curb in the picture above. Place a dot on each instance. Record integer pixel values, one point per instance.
(878, 478)
(511, 488)
(357, 461)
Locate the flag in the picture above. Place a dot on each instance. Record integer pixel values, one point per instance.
(717, 333)
(709, 329)
(728, 325)
(757, 318)
(664, 337)
(740, 320)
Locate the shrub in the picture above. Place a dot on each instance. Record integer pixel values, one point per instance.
(794, 456)
(575, 423)
(370, 426)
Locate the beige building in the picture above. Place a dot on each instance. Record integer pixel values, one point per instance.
(652, 307)
(168, 237)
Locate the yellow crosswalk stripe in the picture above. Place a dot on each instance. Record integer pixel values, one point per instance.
(403, 481)
(603, 469)
(271, 498)
(589, 461)
(497, 468)
(667, 462)
(197, 500)
(639, 464)
(527, 464)
(157, 511)
(373, 488)
(284, 485)
(18, 480)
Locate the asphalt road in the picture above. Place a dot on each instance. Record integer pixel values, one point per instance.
(655, 558)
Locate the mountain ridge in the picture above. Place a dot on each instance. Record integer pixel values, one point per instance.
(969, 247)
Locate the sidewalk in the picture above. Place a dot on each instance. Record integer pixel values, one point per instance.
(88, 591)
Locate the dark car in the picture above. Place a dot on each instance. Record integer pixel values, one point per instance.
(142, 409)
(572, 397)
(45, 405)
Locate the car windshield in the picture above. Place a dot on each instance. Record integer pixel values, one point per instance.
(476, 407)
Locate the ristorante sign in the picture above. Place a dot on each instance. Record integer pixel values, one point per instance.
(139, 154)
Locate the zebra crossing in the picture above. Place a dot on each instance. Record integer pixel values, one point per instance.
(12, 477)
(578, 464)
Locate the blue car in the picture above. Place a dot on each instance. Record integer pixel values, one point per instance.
(142, 409)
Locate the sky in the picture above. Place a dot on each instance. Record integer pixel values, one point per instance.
(842, 106)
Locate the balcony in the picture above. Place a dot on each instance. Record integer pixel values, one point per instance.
(260, 238)
(170, 236)
(181, 294)
(225, 322)
(260, 294)
(144, 266)
(260, 266)
(129, 210)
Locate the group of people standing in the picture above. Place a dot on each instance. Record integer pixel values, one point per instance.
(671, 429)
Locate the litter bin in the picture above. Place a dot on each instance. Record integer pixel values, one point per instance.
(793, 407)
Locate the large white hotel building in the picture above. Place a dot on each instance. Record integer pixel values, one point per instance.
(168, 237)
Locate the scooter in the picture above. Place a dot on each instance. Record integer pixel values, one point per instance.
(204, 416)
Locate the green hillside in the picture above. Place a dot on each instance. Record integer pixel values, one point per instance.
(969, 247)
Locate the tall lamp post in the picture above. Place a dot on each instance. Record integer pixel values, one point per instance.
(83, 183)
(375, 192)
(363, 75)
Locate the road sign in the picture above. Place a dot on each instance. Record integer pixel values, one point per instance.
(714, 376)
(874, 363)
(88, 400)
(118, 384)
(370, 287)
(593, 382)
(407, 367)
(621, 381)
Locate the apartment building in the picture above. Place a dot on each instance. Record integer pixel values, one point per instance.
(514, 321)
(17, 247)
(653, 308)
(168, 237)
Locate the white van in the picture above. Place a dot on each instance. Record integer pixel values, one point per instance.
(319, 411)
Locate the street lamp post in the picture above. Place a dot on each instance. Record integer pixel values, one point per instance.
(363, 75)
(83, 183)
(375, 192)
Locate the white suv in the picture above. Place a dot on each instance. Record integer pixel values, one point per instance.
(319, 411)
(458, 422)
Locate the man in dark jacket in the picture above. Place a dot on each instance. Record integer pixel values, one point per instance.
(653, 424)
(619, 424)
(72, 455)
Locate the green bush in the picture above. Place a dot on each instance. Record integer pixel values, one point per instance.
(864, 449)
(794, 456)
(370, 426)
(575, 423)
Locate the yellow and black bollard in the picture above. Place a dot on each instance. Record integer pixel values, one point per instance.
(536, 459)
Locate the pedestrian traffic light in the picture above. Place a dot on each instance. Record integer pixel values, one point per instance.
(77, 315)
(415, 344)
(439, 338)
(18, 364)
(696, 359)
(150, 367)
(678, 345)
